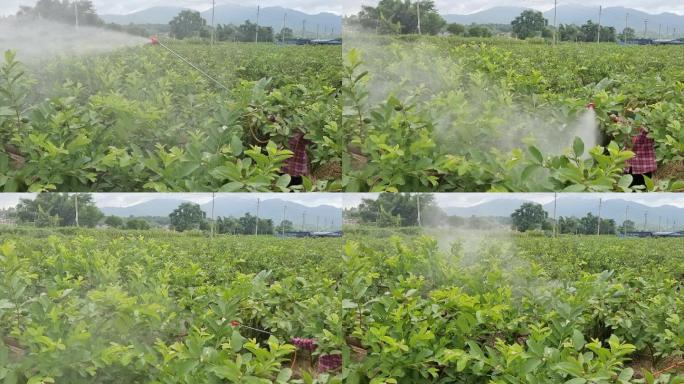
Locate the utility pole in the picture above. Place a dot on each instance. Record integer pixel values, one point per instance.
(213, 198)
(555, 41)
(418, 9)
(660, 28)
(318, 28)
(76, 207)
(256, 226)
(555, 201)
(645, 220)
(284, 26)
(598, 227)
(645, 28)
(256, 39)
(626, 26)
(76, 13)
(213, 29)
(303, 28)
(282, 223)
(418, 203)
(598, 32)
(624, 223)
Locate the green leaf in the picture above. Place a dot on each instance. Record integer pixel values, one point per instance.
(578, 146)
(536, 153)
(236, 341)
(284, 375)
(625, 181)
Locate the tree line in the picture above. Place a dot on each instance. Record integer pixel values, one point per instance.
(400, 17)
(70, 210)
(83, 11)
(402, 210)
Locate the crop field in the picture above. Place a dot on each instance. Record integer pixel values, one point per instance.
(102, 306)
(105, 306)
(468, 308)
(453, 114)
(140, 119)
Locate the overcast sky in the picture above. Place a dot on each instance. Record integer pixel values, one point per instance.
(470, 199)
(128, 6)
(129, 199)
(467, 6)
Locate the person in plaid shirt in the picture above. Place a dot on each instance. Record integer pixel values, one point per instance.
(644, 161)
(297, 166)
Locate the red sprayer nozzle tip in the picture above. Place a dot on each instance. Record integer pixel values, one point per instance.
(154, 40)
(591, 105)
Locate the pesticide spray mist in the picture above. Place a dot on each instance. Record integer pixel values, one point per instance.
(468, 109)
(488, 257)
(37, 40)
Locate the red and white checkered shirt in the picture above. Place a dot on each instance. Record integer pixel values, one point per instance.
(298, 164)
(644, 160)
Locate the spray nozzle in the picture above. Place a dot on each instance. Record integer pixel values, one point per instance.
(154, 40)
(591, 106)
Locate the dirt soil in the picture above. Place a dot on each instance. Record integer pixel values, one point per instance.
(671, 365)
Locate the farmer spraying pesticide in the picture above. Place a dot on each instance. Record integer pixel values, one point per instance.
(298, 165)
(643, 164)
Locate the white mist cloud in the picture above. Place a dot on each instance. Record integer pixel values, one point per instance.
(45, 39)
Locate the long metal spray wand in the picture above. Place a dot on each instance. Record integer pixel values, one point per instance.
(156, 41)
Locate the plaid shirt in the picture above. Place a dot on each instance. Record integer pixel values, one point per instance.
(298, 164)
(644, 160)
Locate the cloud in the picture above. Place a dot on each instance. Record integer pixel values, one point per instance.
(128, 6)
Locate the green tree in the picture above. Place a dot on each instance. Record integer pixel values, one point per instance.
(456, 29)
(287, 32)
(569, 32)
(530, 23)
(187, 24)
(226, 33)
(400, 209)
(529, 216)
(627, 226)
(114, 221)
(284, 226)
(63, 11)
(401, 17)
(627, 32)
(137, 224)
(247, 33)
(49, 209)
(479, 31)
(187, 216)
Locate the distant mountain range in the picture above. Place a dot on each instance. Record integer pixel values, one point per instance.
(237, 207)
(579, 207)
(237, 14)
(579, 14)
